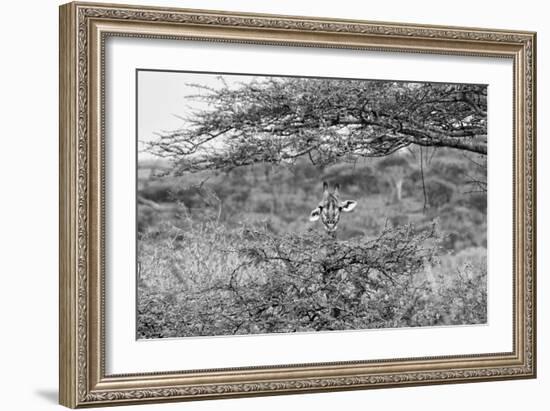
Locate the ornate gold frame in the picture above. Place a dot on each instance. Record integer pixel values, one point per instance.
(83, 30)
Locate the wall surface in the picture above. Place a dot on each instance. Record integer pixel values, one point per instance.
(28, 210)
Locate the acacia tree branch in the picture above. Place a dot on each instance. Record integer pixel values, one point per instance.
(280, 120)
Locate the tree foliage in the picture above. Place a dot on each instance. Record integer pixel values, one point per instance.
(276, 120)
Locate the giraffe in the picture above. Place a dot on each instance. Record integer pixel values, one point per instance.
(329, 209)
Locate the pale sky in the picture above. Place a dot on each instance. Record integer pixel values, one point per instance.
(162, 96)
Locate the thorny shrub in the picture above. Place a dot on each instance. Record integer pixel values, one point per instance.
(251, 280)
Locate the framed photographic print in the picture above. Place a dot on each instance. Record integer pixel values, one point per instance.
(258, 204)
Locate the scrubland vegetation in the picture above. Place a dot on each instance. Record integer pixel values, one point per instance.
(233, 252)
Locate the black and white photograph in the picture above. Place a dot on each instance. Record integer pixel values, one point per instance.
(275, 204)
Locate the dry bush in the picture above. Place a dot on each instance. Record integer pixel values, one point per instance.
(207, 280)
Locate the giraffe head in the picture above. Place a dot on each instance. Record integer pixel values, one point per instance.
(330, 207)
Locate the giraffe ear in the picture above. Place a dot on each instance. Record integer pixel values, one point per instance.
(314, 216)
(348, 205)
